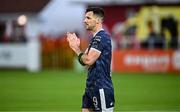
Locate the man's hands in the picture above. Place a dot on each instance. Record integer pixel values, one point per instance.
(74, 42)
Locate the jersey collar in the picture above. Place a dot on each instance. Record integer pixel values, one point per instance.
(97, 32)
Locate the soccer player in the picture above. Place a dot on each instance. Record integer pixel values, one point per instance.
(99, 92)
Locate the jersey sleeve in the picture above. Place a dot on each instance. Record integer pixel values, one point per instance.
(97, 43)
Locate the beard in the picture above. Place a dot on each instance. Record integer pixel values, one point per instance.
(89, 27)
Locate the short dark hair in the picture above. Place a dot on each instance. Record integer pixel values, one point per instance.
(97, 11)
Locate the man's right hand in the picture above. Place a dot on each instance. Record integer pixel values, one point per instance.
(74, 42)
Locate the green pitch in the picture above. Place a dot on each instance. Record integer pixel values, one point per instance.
(62, 91)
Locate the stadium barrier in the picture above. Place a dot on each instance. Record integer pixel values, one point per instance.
(21, 55)
(43, 53)
(56, 53)
(140, 60)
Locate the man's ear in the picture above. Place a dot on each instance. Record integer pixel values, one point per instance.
(98, 20)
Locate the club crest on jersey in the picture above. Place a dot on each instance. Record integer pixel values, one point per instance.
(96, 41)
(97, 38)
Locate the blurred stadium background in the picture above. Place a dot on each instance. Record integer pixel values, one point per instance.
(39, 72)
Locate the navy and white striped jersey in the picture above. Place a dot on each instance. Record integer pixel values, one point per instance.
(99, 74)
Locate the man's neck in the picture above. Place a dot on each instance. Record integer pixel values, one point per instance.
(97, 30)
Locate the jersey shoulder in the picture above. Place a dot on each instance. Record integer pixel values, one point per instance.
(102, 36)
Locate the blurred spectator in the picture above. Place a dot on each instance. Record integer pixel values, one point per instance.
(124, 32)
(171, 24)
(130, 35)
(117, 34)
(2, 31)
(18, 33)
(154, 40)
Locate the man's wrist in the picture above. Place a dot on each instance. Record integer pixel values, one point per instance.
(80, 59)
(78, 51)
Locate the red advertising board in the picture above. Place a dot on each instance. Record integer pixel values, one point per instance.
(146, 60)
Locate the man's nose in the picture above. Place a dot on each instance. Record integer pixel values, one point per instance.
(85, 20)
